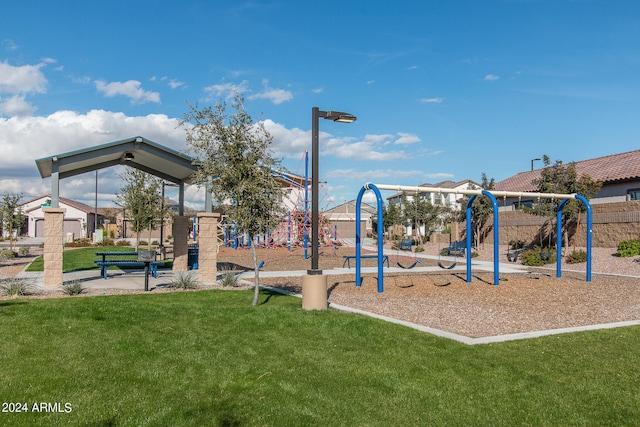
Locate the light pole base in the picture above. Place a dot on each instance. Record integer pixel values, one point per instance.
(314, 292)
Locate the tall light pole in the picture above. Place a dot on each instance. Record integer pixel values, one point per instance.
(314, 284)
(316, 114)
(534, 160)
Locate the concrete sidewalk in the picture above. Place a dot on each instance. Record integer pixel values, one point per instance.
(91, 279)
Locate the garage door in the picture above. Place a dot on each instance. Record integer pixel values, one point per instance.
(73, 226)
(40, 227)
(70, 226)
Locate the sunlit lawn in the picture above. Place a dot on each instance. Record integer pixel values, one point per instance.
(83, 258)
(209, 358)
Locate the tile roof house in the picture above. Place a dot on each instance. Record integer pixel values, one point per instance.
(619, 173)
(79, 218)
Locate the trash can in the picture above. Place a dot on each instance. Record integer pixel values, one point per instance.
(192, 256)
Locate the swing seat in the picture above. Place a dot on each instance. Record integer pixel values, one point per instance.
(449, 267)
(408, 267)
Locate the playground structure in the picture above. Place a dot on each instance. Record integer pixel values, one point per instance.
(294, 229)
(473, 195)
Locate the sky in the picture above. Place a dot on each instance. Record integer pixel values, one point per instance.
(442, 89)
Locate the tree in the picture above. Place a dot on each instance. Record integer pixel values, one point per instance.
(419, 212)
(234, 160)
(12, 216)
(481, 211)
(141, 199)
(563, 179)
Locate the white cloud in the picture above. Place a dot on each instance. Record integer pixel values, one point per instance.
(317, 90)
(407, 138)
(491, 77)
(276, 96)
(22, 79)
(25, 139)
(10, 45)
(437, 100)
(226, 90)
(373, 175)
(440, 176)
(16, 106)
(131, 89)
(174, 84)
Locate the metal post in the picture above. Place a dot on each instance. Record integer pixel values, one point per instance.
(315, 176)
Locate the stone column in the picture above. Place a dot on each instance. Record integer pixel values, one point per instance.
(180, 239)
(53, 245)
(207, 246)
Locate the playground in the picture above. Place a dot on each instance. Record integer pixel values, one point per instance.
(530, 300)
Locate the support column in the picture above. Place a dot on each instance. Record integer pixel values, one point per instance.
(180, 247)
(208, 246)
(53, 245)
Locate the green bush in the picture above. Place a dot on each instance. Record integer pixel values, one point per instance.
(516, 244)
(17, 287)
(123, 243)
(79, 243)
(419, 249)
(630, 247)
(73, 288)
(229, 280)
(6, 254)
(155, 242)
(23, 250)
(534, 258)
(577, 257)
(183, 280)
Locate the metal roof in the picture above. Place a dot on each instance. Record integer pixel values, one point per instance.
(137, 152)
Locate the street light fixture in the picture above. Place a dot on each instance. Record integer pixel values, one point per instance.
(316, 114)
(533, 160)
(314, 284)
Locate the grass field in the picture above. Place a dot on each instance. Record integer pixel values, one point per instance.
(209, 358)
(83, 258)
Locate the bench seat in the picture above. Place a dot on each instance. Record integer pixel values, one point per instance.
(153, 266)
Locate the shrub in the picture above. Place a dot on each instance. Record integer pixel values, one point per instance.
(17, 287)
(630, 247)
(73, 288)
(516, 244)
(123, 243)
(577, 257)
(183, 280)
(105, 242)
(155, 243)
(419, 249)
(533, 257)
(6, 254)
(229, 280)
(79, 243)
(23, 250)
(143, 243)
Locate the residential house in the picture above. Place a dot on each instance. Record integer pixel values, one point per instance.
(341, 220)
(619, 173)
(79, 218)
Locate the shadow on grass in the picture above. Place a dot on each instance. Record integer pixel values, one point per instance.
(270, 294)
(8, 303)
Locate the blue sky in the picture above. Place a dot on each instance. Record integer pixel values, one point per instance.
(442, 89)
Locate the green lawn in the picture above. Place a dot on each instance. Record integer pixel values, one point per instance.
(83, 258)
(209, 358)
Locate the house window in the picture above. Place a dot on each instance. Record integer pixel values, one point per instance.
(633, 194)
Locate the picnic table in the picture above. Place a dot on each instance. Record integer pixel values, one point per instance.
(105, 263)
